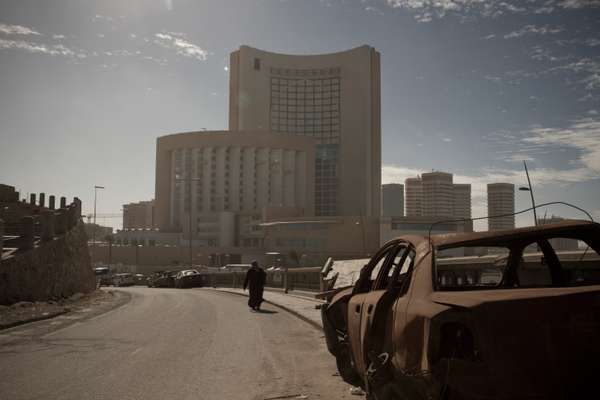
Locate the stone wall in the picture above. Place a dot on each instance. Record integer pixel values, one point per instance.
(43, 251)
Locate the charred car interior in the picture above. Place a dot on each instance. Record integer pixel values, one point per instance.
(507, 314)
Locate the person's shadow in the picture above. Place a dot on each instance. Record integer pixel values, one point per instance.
(266, 311)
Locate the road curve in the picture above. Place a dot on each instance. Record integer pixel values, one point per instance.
(171, 344)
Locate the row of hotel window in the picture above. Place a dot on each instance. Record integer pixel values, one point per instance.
(305, 82)
(317, 104)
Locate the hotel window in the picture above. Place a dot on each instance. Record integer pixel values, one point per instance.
(257, 64)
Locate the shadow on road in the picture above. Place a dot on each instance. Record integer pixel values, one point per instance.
(266, 312)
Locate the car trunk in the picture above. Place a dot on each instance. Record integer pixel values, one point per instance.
(535, 342)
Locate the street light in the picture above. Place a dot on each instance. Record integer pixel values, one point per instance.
(189, 180)
(362, 226)
(530, 190)
(96, 187)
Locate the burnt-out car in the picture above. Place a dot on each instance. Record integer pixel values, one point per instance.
(493, 315)
(162, 279)
(188, 278)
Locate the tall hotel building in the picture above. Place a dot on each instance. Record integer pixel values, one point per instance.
(332, 98)
(501, 201)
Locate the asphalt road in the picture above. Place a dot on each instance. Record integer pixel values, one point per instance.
(171, 344)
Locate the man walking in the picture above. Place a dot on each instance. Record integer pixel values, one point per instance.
(255, 282)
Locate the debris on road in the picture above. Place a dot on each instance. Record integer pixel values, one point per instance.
(357, 391)
(285, 396)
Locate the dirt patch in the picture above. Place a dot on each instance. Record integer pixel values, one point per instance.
(24, 312)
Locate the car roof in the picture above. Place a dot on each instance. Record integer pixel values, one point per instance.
(453, 239)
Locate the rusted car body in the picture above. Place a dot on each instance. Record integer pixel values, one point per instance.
(523, 322)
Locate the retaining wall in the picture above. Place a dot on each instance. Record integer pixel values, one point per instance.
(43, 252)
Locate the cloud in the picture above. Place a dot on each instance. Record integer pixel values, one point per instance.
(31, 47)
(426, 10)
(179, 43)
(582, 135)
(533, 29)
(590, 67)
(374, 10)
(57, 37)
(17, 30)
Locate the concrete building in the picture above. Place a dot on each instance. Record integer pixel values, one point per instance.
(339, 237)
(210, 182)
(392, 227)
(501, 201)
(414, 197)
(333, 98)
(438, 194)
(559, 244)
(392, 200)
(138, 215)
(462, 200)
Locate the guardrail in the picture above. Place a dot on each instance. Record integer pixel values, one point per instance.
(307, 279)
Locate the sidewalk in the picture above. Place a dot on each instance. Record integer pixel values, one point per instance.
(300, 305)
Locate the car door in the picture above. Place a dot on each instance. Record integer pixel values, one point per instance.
(382, 305)
(362, 288)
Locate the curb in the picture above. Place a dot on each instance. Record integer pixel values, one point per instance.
(35, 319)
(287, 309)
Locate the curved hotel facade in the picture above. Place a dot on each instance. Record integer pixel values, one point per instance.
(200, 175)
(332, 98)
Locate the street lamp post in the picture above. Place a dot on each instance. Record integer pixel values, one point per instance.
(96, 187)
(530, 190)
(362, 226)
(189, 180)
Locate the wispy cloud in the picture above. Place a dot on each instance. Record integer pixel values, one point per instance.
(427, 10)
(533, 29)
(17, 30)
(583, 135)
(31, 47)
(181, 45)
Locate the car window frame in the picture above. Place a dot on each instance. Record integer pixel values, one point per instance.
(407, 249)
(362, 284)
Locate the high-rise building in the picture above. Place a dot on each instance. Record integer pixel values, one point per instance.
(501, 201)
(138, 215)
(212, 177)
(438, 194)
(462, 200)
(333, 98)
(414, 197)
(392, 195)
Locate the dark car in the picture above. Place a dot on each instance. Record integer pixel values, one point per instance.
(162, 279)
(508, 314)
(188, 278)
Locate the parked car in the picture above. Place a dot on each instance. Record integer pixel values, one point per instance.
(124, 279)
(140, 279)
(188, 278)
(485, 315)
(103, 276)
(162, 279)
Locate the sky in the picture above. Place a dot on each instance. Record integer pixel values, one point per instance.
(470, 87)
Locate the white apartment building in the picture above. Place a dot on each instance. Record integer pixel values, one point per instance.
(501, 201)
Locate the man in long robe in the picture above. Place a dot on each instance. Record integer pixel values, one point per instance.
(255, 282)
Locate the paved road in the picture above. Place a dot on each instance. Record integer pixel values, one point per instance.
(171, 344)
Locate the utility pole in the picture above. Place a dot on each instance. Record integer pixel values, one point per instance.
(188, 180)
(530, 190)
(94, 226)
